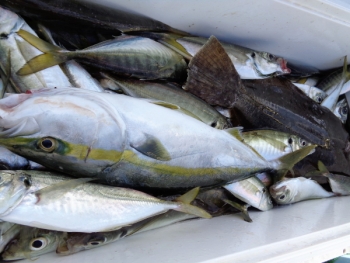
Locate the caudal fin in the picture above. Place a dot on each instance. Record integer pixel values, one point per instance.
(53, 55)
(187, 208)
(288, 161)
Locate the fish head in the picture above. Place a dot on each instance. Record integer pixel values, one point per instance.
(295, 143)
(268, 64)
(76, 242)
(31, 243)
(284, 192)
(341, 110)
(61, 130)
(318, 95)
(263, 195)
(9, 23)
(13, 187)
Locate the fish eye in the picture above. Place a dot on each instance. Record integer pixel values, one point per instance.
(319, 99)
(252, 55)
(282, 197)
(213, 124)
(27, 182)
(97, 241)
(290, 140)
(343, 110)
(38, 243)
(271, 57)
(47, 144)
(302, 142)
(264, 190)
(3, 36)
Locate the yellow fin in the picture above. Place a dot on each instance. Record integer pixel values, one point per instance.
(186, 207)
(236, 132)
(242, 208)
(322, 167)
(289, 160)
(38, 43)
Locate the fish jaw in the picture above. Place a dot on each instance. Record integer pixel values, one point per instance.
(283, 67)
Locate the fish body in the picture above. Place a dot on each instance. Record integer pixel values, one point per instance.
(131, 142)
(252, 191)
(55, 203)
(314, 93)
(136, 56)
(32, 242)
(297, 189)
(76, 242)
(171, 93)
(250, 64)
(272, 144)
(15, 52)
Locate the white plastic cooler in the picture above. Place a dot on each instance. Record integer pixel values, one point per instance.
(314, 33)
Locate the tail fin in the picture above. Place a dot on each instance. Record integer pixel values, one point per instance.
(287, 162)
(187, 208)
(52, 56)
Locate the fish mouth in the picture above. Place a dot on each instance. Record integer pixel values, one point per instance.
(276, 191)
(283, 65)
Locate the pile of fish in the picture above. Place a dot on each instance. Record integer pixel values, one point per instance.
(133, 125)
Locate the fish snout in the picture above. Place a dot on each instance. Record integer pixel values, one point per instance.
(276, 190)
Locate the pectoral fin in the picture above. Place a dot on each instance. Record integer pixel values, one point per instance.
(152, 148)
(55, 191)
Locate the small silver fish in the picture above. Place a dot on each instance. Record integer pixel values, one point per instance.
(297, 189)
(314, 93)
(252, 191)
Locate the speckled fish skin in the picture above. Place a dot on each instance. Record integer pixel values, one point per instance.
(297, 189)
(32, 242)
(252, 191)
(20, 52)
(172, 93)
(145, 150)
(100, 207)
(272, 144)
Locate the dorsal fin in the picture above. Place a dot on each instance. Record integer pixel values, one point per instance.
(212, 76)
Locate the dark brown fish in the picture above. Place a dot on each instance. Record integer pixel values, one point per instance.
(268, 103)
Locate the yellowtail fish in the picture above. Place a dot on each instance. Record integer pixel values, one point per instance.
(131, 142)
(54, 202)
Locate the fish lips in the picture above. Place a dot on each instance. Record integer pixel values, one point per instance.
(283, 65)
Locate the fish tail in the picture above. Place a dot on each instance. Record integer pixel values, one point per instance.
(286, 162)
(53, 55)
(187, 208)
